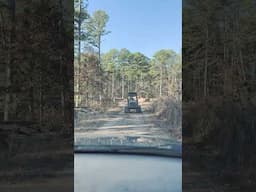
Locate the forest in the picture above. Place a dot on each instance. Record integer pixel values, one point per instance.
(36, 62)
(219, 84)
(103, 78)
(37, 66)
(36, 90)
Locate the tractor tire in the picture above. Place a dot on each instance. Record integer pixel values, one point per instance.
(138, 110)
(126, 110)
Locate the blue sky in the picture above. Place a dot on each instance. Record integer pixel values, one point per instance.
(145, 26)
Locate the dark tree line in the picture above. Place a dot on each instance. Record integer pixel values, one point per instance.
(219, 74)
(37, 59)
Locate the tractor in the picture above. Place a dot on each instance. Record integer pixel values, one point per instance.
(132, 103)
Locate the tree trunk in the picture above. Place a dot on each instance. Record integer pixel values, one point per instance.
(99, 52)
(99, 69)
(79, 57)
(113, 86)
(128, 85)
(206, 63)
(12, 4)
(62, 91)
(40, 98)
(161, 80)
(7, 94)
(122, 86)
(32, 101)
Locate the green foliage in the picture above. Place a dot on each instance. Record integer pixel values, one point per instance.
(110, 60)
(135, 72)
(81, 17)
(96, 27)
(119, 71)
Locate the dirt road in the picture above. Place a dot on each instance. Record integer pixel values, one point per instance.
(117, 124)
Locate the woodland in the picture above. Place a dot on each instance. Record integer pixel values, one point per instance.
(219, 84)
(36, 89)
(103, 78)
(42, 50)
(36, 61)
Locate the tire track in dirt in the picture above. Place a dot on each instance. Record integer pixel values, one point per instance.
(121, 125)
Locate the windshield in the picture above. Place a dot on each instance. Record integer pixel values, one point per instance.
(132, 98)
(126, 100)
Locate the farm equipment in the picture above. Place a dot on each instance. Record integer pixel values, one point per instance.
(132, 103)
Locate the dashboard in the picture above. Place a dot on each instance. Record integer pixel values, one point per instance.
(102, 172)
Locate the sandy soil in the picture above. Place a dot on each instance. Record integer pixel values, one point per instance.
(115, 123)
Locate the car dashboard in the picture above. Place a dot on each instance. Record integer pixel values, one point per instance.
(106, 172)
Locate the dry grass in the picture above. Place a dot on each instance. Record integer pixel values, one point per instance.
(35, 157)
(168, 114)
(226, 130)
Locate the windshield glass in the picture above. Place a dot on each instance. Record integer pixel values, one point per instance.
(132, 98)
(126, 100)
